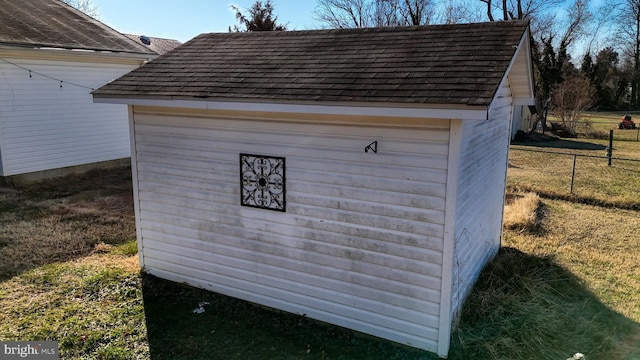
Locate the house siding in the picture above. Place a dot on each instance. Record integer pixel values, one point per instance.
(360, 244)
(480, 197)
(44, 126)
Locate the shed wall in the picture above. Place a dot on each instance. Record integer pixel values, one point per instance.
(45, 126)
(521, 120)
(480, 198)
(360, 244)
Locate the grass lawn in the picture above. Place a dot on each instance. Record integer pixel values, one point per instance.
(566, 281)
(598, 124)
(545, 165)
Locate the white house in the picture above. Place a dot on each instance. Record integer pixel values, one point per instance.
(51, 58)
(356, 176)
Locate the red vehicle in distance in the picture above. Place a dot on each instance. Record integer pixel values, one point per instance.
(626, 123)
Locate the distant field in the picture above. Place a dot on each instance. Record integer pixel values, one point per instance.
(598, 124)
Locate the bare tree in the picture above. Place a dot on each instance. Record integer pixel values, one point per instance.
(86, 6)
(629, 35)
(340, 14)
(374, 13)
(604, 19)
(460, 11)
(417, 12)
(518, 9)
(577, 22)
(570, 99)
(552, 44)
(489, 9)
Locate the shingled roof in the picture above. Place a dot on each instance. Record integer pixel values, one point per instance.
(157, 45)
(442, 64)
(54, 24)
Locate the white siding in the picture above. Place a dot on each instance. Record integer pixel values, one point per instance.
(480, 195)
(522, 120)
(359, 244)
(44, 126)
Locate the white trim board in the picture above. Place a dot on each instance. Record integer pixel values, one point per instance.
(479, 113)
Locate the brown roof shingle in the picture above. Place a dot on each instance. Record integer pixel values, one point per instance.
(442, 64)
(157, 45)
(52, 23)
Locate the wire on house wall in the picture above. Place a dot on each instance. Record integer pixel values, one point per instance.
(31, 72)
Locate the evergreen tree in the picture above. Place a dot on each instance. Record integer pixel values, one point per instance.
(260, 18)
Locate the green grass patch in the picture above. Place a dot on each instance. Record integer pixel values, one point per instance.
(93, 311)
(128, 248)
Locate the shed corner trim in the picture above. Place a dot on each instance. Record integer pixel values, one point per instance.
(444, 332)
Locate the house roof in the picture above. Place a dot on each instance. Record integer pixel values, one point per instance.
(441, 64)
(157, 45)
(54, 24)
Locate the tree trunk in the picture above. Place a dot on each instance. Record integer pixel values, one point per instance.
(489, 14)
(520, 12)
(505, 11)
(635, 83)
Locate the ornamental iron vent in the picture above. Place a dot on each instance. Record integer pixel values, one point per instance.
(263, 182)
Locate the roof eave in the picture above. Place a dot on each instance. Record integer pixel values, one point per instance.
(524, 91)
(433, 111)
(30, 49)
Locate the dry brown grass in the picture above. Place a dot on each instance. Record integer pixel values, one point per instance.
(64, 219)
(599, 245)
(522, 212)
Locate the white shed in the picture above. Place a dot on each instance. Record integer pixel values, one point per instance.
(355, 176)
(51, 58)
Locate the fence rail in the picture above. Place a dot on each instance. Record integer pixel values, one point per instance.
(581, 176)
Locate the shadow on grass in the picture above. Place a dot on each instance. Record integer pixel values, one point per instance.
(523, 307)
(529, 307)
(559, 143)
(228, 328)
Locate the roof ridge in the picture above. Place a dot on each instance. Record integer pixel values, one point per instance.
(99, 23)
(381, 29)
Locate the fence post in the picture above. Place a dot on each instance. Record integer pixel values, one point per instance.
(573, 174)
(610, 149)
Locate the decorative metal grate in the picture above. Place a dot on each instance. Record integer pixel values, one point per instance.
(262, 179)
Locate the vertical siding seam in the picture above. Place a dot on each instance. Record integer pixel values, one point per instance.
(2, 162)
(134, 180)
(444, 330)
(506, 165)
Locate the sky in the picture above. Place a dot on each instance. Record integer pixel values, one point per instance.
(184, 19)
